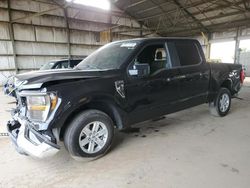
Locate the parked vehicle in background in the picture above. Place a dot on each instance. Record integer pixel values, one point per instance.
(61, 64)
(8, 87)
(120, 84)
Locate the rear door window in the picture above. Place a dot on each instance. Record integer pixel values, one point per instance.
(184, 53)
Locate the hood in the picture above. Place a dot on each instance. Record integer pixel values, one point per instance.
(35, 79)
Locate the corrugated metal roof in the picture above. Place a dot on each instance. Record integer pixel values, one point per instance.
(187, 17)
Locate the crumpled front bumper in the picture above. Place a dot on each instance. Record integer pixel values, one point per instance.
(30, 142)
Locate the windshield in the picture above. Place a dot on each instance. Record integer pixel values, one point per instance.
(110, 56)
(48, 65)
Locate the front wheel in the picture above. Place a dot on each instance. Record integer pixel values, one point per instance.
(222, 103)
(90, 134)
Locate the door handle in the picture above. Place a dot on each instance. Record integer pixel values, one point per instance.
(175, 78)
(179, 77)
(202, 74)
(168, 80)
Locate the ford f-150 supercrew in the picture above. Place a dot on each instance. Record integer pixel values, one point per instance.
(120, 84)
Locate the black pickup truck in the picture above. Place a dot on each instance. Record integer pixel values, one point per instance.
(120, 84)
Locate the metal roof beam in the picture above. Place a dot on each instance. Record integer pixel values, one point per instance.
(217, 17)
(246, 4)
(154, 7)
(214, 27)
(173, 10)
(135, 4)
(219, 7)
(56, 3)
(160, 7)
(191, 15)
(58, 6)
(205, 19)
(36, 14)
(234, 5)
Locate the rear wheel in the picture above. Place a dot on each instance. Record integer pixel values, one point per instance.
(222, 103)
(90, 134)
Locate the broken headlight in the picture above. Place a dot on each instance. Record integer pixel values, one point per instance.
(39, 106)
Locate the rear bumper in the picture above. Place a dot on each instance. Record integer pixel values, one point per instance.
(30, 142)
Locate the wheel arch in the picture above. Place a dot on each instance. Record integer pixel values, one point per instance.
(227, 84)
(107, 106)
(216, 84)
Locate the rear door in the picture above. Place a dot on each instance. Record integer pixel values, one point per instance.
(194, 71)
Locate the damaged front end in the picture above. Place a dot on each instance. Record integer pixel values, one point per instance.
(29, 127)
(30, 142)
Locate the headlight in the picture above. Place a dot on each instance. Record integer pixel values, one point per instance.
(39, 106)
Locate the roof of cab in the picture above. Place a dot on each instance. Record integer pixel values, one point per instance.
(156, 39)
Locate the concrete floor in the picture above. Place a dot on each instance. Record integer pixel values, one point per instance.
(186, 149)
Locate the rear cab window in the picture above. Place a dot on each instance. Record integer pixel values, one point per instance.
(184, 53)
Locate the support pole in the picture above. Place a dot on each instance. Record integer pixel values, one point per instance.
(207, 38)
(11, 33)
(141, 31)
(68, 31)
(237, 47)
(110, 30)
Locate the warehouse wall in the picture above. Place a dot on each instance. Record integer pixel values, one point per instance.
(39, 39)
(230, 35)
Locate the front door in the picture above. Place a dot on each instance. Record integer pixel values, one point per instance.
(154, 95)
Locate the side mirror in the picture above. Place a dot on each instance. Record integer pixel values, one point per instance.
(140, 70)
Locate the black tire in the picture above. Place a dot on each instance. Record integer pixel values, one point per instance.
(74, 130)
(215, 106)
